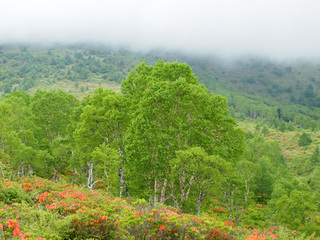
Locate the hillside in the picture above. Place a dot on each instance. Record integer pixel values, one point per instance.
(42, 209)
(296, 82)
(248, 165)
(258, 85)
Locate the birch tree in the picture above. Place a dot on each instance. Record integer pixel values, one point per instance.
(237, 189)
(52, 115)
(6, 126)
(171, 110)
(205, 173)
(104, 120)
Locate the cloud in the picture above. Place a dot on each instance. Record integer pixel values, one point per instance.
(275, 28)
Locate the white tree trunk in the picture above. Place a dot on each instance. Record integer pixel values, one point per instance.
(163, 192)
(155, 197)
(199, 203)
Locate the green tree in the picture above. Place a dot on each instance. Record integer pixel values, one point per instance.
(109, 164)
(315, 158)
(259, 147)
(258, 127)
(237, 189)
(171, 110)
(25, 160)
(282, 126)
(265, 130)
(23, 120)
(104, 119)
(312, 125)
(6, 125)
(10, 143)
(52, 115)
(23, 127)
(314, 180)
(291, 126)
(304, 140)
(205, 172)
(264, 179)
(61, 153)
(295, 209)
(275, 122)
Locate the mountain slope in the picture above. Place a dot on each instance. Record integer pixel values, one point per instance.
(254, 86)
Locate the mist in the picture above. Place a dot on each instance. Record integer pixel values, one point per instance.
(227, 28)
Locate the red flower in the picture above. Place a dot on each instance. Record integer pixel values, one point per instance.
(273, 236)
(1, 226)
(161, 227)
(16, 232)
(12, 223)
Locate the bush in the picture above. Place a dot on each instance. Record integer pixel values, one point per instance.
(14, 194)
(216, 234)
(90, 226)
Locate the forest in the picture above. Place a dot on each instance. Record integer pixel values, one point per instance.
(111, 144)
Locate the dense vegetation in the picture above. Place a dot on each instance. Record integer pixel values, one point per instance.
(164, 145)
(254, 87)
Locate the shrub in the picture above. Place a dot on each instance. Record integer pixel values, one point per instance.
(14, 194)
(92, 226)
(216, 234)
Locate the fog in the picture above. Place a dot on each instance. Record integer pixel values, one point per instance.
(273, 28)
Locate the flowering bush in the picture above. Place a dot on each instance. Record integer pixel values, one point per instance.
(68, 212)
(87, 226)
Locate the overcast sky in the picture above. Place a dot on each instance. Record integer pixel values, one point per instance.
(275, 28)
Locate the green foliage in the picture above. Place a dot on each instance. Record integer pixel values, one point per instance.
(170, 111)
(67, 212)
(13, 194)
(47, 225)
(52, 114)
(283, 126)
(259, 147)
(109, 163)
(293, 209)
(85, 226)
(164, 138)
(100, 132)
(312, 125)
(304, 140)
(258, 127)
(194, 168)
(264, 179)
(266, 85)
(315, 158)
(291, 126)
(265, 130)
(236, 190)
